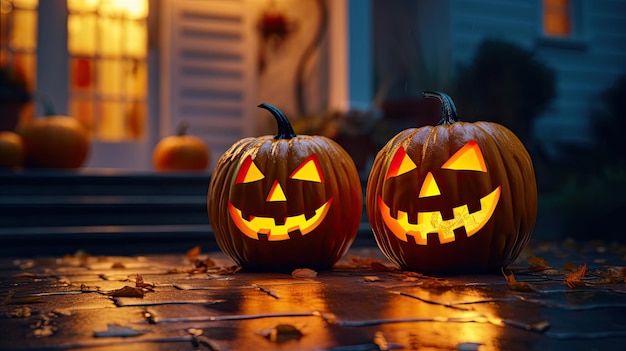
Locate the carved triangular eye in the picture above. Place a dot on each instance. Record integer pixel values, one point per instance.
(429, 187)
(308, 170)
(400, 164)
(248, 172)
(468, 158)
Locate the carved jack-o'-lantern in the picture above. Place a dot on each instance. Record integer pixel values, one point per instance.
(286, 201)
(453, 197)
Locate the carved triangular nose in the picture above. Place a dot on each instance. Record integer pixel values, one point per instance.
(276, 193)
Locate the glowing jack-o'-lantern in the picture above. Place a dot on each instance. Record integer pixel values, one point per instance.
(286, 201)
(453, 197)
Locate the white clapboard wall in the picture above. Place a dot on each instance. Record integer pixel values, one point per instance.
(207, 73)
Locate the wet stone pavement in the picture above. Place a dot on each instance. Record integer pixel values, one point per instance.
(558, 296)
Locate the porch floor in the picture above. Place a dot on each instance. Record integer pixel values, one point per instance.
(178, 301)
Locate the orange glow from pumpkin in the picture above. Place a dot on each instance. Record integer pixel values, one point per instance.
(400, 164)
(467, 158)
(248, 172)
(309, 170)
(252, 226)
(429, 188)
(276, 193)
(277, 232)
(432, 222)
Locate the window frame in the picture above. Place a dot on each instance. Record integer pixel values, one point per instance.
(577, 40)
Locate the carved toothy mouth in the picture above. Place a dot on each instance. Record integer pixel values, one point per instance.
(432, 222)
(276, 232)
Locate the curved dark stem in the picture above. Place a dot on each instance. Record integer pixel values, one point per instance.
(449, 114)
(46, 103)
(182, 128)
(284, 127)
(300, 70)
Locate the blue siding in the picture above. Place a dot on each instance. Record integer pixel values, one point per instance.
(583, 69)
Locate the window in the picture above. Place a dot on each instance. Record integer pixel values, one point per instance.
(557, 18)
(107, 45)
(18, 43)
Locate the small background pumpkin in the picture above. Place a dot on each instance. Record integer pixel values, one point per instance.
(303, 190)
(418, 189)
(181, 152)
(55, 141)
(11, 150)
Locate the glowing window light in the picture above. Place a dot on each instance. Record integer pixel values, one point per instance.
(107, 43)
(557, 18)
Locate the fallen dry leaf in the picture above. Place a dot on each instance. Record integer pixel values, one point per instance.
(574, 280)
(127, 291)
(114, 330)
(139, 283)
(569, 267)
(194, 252)
(303, 273)
(381, 341)
(23, 275)
(118, 265)
(371, 278)
(514, 284)
(282, 332)
(537, 264)
(20, 312)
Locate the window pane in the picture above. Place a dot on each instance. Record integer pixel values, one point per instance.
(110, 36)
(81, 74)
(111, 122)
(110, 77)
(556, 18)
(83, 111)
(135, 38)
(81, 34)
(26, 4)
(135, 78)
(107, 41)
(24, 34)
(136, 120)
(82, 5)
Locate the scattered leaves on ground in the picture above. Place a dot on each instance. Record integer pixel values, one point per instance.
(281, 332)
(194, 252)
(127, 291)
(574, 280)
(115, 330)
(514, 284)
(537, 264)
(118, 265)
(303, 273)
(139, 283)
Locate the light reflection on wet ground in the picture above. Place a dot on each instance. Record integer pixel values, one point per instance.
(66, 303)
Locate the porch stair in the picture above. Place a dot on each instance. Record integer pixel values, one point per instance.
(98, 211)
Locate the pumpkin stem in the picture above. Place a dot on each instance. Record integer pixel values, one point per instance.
(449, 114)
(46, 103)
(182, 128)
(284, 127)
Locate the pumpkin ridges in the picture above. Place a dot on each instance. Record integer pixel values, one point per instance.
(276, 159)
(506, 232)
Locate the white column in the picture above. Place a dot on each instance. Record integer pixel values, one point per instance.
(351, 70)
(52, 55)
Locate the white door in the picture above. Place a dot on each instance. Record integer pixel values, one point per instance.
(207, 75)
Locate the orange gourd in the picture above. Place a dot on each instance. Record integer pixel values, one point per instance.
(55, 141)
(286, 201)
(181, 153)
(455, 197)
(11, 150)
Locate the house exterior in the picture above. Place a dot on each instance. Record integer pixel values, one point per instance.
(584, 43)
(209, 62)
